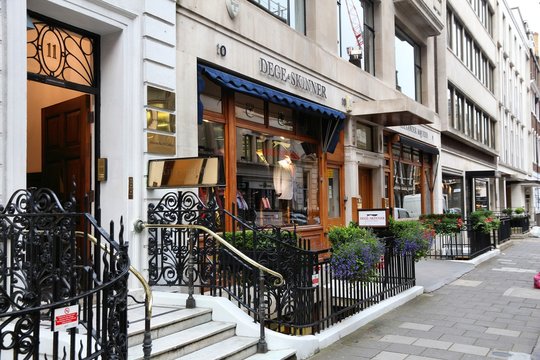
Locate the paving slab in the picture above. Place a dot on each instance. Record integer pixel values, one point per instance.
(469, 311)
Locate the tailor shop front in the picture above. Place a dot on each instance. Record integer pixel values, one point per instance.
(282, 154)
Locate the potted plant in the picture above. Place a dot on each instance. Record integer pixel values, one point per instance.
(356, 252)
(443, 223)
(484, 221)
(519, 211)
(507, 211)
(412, 237)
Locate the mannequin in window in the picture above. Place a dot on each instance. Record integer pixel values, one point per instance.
(284, 178)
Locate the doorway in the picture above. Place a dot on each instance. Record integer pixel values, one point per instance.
(365, 189)
(62, 92)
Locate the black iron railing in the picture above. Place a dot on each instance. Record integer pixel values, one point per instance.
(311, 298)
(318, 299)
(463, 245)
(520, 224)
(503, 233)
(60, 297)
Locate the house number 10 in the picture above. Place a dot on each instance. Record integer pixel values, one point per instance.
(221, 50)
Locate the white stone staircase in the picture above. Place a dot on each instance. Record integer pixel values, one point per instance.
(191, 334)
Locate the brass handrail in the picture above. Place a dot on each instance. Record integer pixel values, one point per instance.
(147, 344)
(139, 226)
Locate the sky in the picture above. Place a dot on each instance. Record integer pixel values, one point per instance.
(530, 11)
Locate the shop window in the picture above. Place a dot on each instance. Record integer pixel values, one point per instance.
(278, 183)
(291, 12)
(280, 117)
(452, 189)
(407, 188)
(481, 199)
(356, 33)
(211, 138)
(249, 108)
(408, 66)
(211, 96)
(334, 203)
(364, 137)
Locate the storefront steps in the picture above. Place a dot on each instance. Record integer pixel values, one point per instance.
(180, 333)
(293, 347)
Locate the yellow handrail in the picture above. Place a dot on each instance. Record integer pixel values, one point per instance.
(279, 278)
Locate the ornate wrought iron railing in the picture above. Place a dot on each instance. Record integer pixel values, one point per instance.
(60, 297)
(178, 253)
(148, 297)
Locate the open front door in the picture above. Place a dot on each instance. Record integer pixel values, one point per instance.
(67, 148)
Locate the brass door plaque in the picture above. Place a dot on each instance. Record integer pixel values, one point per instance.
(102, 169)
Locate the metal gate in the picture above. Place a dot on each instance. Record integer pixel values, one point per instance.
(63, 282)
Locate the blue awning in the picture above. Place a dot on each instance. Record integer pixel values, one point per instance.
(336, 119)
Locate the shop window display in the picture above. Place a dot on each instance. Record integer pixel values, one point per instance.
(276, 180)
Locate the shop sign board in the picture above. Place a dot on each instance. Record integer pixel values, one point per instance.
(373, 217)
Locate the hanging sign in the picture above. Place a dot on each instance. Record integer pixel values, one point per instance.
(66, 317)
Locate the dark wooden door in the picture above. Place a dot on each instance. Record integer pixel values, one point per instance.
(66, 148)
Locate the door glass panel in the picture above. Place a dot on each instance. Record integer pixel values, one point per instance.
(334, 208)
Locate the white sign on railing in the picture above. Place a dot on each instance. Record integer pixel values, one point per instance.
(66, 317)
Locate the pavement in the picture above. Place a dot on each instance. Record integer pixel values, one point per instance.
(481, 309)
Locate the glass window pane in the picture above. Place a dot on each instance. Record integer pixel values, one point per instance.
(280, 117)
(211, 137)
(249, 108)
(334, 203)
(452, 194)
(364, 137)
(277, 184)
(408, 71)
(211, 96)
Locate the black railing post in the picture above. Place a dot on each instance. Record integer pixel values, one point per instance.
(147, 342)
(262, 346)
(190, 302)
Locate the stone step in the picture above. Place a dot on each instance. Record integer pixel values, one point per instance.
(181, 343)
(235, 348)
(165, 321)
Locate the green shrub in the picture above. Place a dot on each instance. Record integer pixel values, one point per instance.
(519, 210)
(443, 223)
(411, 236)
(243, 240)
(355, 252)
(507, 211)
(484, 221)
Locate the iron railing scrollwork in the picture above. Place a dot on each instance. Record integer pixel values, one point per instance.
(178, 247)
(45, 268)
